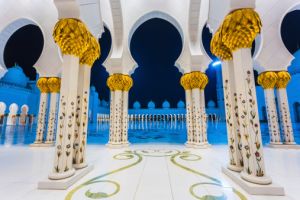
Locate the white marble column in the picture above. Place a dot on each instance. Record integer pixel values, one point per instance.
(120, 84)
(268, 80)
(81, 125)
(118, 117)
(272, 117)
(254, 167)
(198, 139)
(125, 119)
(42, 116)
(283, 105)
(185, 83)
(73, 38)
(54, 87)
(232, 125)
(203, 110)
(63, 157)
(189, 117)
(111, 118)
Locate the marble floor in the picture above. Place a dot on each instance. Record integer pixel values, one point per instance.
(143, 172)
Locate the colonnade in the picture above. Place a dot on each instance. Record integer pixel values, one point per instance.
(269, 81)
(194, 84)
(80, 49)
(49, 88)
(232, 43)
(156, 117)
(119, 85)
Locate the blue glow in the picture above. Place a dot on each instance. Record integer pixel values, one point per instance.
(216, 63)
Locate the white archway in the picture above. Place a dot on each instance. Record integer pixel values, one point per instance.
(8, 31)
(12, 116)
(24, 114)
(156, 15)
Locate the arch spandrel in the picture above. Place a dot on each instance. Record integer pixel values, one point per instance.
(49, 63)
(273, 55)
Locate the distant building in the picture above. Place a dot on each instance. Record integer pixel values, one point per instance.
(16, 88)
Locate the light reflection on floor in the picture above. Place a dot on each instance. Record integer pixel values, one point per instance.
(156, 177)
(139, 132)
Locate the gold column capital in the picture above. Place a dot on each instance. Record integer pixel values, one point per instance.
(119, 82)
(54, 84)
(127, 82)
(92, 53)
(185, 81)
(240, 28)
(72, 36)
(283, 79)
(205, 81)
(218, 48)
(42, 84)
(195, 79)
(267, 79)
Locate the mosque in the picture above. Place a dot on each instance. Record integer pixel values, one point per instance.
(93, 105)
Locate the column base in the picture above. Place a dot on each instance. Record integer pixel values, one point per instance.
(36, 144)
(117, 146)
(49, 142)
(275, 143)
(63, 184)
(271, 189)
(289, 143)
(126, 144)
(204, 145)
(59, 176)
(48, 145)
(80, 166)
(189, 145)
(284, 146)
(265, 180)
(197, 145)
(234, 168)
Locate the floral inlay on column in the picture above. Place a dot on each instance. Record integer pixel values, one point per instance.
(73, 38)
(42, 116)
(268, 81)
(283, 104)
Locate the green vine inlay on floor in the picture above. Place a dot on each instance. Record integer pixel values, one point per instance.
(174, 156)
(127, 155)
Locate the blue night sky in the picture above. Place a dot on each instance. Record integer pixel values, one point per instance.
(155, 46)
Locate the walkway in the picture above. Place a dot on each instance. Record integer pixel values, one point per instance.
(143, 172)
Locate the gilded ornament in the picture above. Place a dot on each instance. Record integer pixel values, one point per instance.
(54, 84)
(267, 80)
(283, 79)
(205, 81)
(119, 82)
(72, 36)
(240, 28)
(196, 80)
(127, 82)
(218, 48)
(92, 53)
(185, 81)
(42, 85)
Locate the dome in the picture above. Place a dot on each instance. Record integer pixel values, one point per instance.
(93, 88)
(136, 105)
(166, 104)
(151, 105)
(211, 104)
(104, 103)
(180, 104)
(295, 65)
(16, 76)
